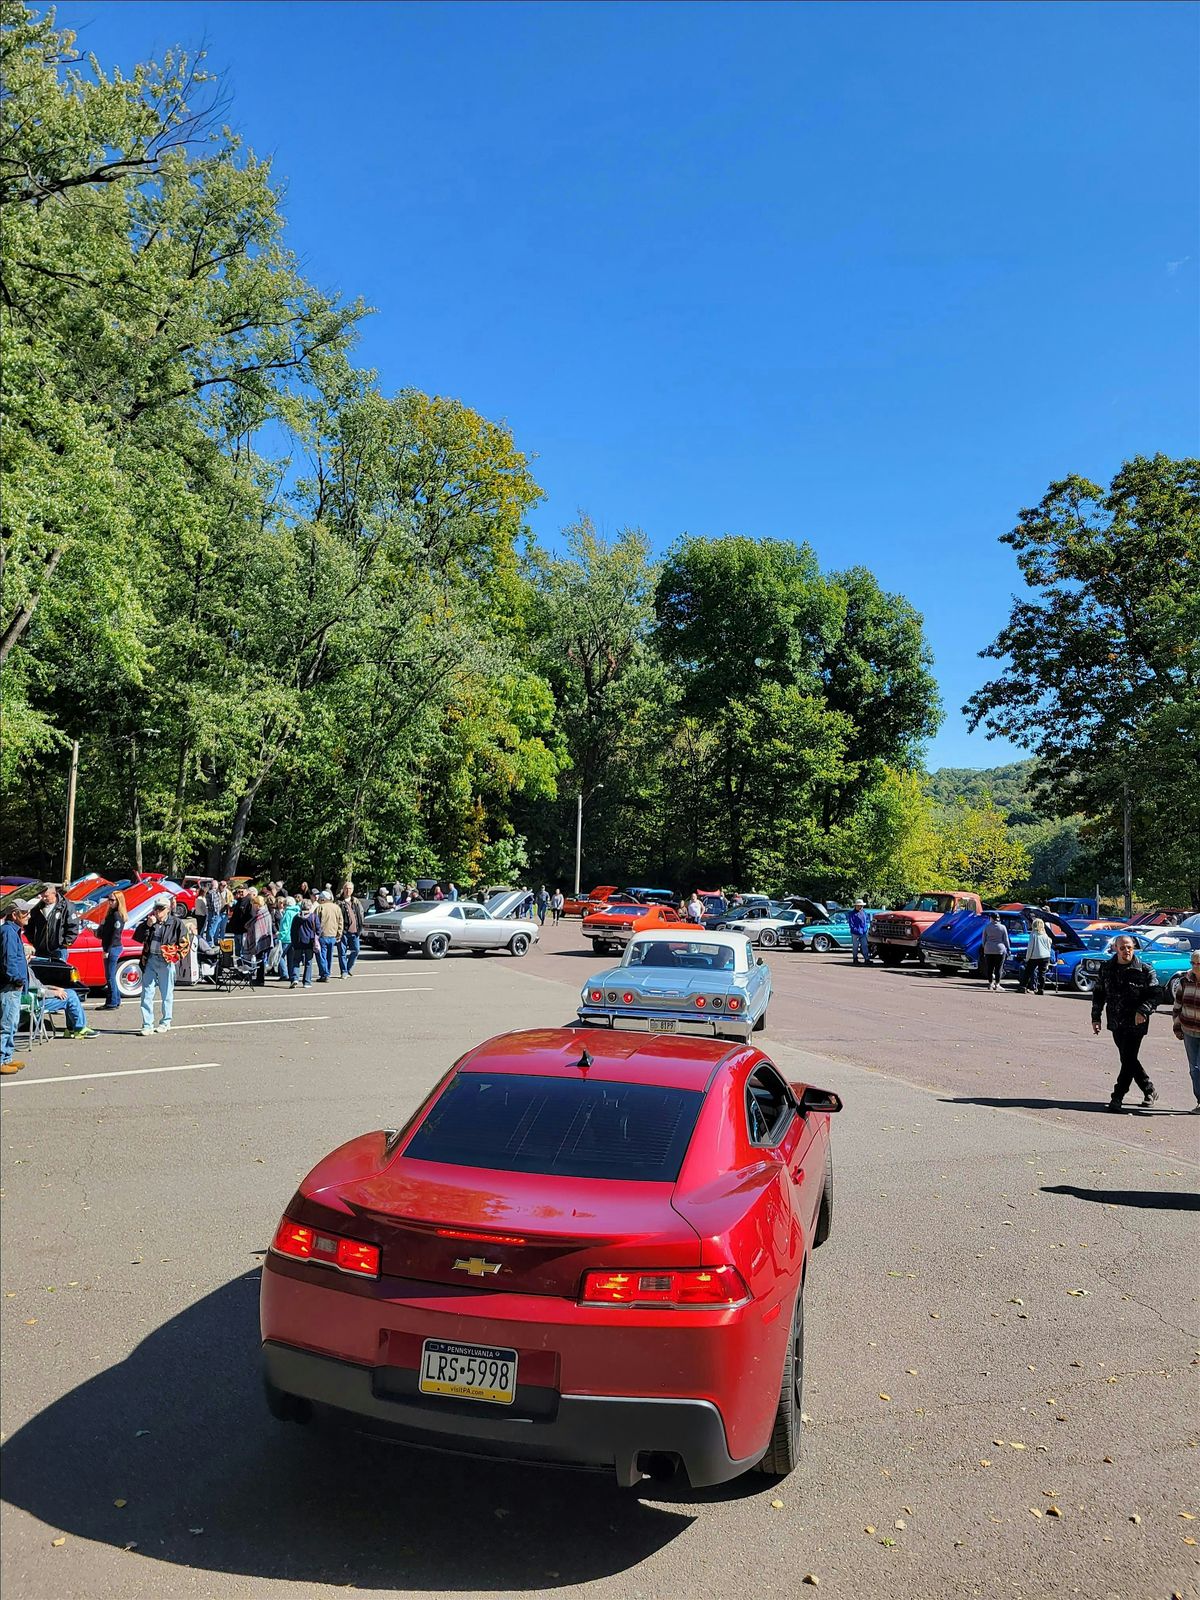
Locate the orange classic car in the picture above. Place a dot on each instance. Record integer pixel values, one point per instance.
(615, 923)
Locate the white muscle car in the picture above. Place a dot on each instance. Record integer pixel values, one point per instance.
(436, 926)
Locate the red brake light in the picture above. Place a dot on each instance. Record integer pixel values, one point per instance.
(628, 997)
(734, 1003)
(293, 1240)
(326, 1249)
(695, 1286)
(481, 1238)
(360, 1258)
(595, 994)
(701, 1002)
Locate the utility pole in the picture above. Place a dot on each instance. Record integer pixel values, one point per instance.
(1128, 855)
(69, 845)
(578, 838)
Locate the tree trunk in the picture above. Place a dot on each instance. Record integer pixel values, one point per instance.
(237, 837)
(24, 616)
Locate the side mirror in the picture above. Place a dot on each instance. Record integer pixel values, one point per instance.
(813, 1099)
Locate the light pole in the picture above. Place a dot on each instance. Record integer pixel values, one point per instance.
(579, 833)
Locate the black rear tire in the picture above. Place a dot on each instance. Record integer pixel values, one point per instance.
(760, 1025)
(518, 944)
(824, 1225)
(783, 1453)
(435, 946)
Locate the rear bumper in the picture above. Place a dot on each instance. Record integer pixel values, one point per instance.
(710, 1026)
(597, 1431)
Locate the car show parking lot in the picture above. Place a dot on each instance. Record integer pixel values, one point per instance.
(1000, 1392)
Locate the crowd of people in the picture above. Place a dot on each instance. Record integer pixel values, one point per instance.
(300, 938)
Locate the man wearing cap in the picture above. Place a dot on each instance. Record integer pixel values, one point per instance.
(858, 922)
(14, 979)
(164, 941)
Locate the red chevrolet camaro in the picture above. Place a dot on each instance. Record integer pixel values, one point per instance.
(458, 1283)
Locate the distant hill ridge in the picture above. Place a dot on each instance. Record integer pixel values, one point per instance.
(1009, 786)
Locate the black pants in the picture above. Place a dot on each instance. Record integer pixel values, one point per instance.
(1034, 975)
(1128, 1042)
(992, 966)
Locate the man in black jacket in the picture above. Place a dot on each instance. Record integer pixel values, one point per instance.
(54, 926)
(1128, 989)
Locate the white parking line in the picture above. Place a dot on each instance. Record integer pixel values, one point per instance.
(131, 1072)
(251, 1022)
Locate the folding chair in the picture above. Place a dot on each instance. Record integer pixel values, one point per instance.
(32, 1026)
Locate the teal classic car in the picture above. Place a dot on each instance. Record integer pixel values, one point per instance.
(831, 933)
(1166, 951)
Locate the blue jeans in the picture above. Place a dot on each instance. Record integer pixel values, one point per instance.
(859, 946)
(71, 1004)
(158, 976)
(216, 927)
(325, 950)
(112, 958)
(10, 1015)
(348, 951)
(1191, 1045)
(300, 959)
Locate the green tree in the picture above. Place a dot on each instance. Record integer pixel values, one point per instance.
(1102, 659)
(975, 849)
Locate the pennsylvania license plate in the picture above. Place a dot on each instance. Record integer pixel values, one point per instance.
(663, 1024)
(468, 1372)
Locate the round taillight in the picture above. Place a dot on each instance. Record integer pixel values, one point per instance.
(595, 994)
(612, 994)
(734, 1003)
(627, 997)
(701, 1002)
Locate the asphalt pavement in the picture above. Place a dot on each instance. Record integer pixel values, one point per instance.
(1003, 1326)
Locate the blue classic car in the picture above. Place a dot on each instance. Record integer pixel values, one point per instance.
(827, 933)
(706, 983)
(954, 942)
(1167, 951)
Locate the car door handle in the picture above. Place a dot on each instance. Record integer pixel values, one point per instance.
(798, 1172)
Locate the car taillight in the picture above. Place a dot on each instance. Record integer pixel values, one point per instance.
(628, 997)
(734, 1003)
(694, 1286)
(595, 994)
(701, 1002)
(328, 1249)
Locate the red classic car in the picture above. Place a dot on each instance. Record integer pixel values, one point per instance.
(87, 953)
(614, 924)
(459, 1282)
(579, 906)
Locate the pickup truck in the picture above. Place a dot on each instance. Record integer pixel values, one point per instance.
(896, 934)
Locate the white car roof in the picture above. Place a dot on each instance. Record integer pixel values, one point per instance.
(727, 936)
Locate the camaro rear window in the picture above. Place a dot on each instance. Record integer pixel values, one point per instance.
(561, 1126)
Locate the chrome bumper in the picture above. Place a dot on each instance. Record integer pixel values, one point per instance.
(716, 1025)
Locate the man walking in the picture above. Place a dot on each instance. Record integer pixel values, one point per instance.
(1128, 990)
(162, 939)
(858, 922)
(14, 980)
(1185, 1020)
(353, 915)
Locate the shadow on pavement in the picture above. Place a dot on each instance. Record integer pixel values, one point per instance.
(216, 1484)
(1023, 1102)
(1151, 1199)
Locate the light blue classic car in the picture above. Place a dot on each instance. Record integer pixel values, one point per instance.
(831, 934)
(668, 982)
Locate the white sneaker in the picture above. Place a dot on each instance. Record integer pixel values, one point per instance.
(146, 1032)
(163, 1027)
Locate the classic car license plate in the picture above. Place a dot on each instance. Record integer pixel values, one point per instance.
(468, 1372)
(663, 1024)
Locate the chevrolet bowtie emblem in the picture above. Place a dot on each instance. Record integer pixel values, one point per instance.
(477, 1266)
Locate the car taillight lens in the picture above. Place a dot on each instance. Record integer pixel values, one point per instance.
(628, 997)
(694, 1286)
(595, 994)
(701, 1002)
(734, 1003)
(328, 1249)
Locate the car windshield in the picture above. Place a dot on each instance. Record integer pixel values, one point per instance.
(568, 1127)
(690, 955)
(929, 902)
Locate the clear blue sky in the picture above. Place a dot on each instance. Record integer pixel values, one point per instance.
(866, 275)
